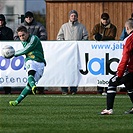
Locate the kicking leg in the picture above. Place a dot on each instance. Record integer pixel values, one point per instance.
(23, 94)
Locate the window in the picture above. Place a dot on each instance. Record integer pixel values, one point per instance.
(10, 14)
(9, 9)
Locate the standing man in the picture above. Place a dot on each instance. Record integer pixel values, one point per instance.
(33, 27)
(103, 31)
(34, 61)
(72, 30)
(6, 34)
(124, 73)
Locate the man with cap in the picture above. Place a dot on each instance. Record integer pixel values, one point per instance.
(72, 30)
(103, 31)
(33, 27)
(6, 33)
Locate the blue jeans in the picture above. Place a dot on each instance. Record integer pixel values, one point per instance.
(72, 89)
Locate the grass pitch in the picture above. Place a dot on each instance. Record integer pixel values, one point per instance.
(64, 114)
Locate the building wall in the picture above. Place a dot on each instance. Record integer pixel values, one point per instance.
(89, 14)
(12, 9)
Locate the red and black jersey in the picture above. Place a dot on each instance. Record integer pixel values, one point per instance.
(127, 56)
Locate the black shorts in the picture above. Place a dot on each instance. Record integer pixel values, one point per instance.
(127, 80)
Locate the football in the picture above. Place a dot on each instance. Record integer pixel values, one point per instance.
(8, 51)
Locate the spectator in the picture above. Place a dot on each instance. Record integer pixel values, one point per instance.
(6, 34)
(34, 28)
(34, 61)
(124, 33)
(103, 31)
(72, 30)
(124, 73)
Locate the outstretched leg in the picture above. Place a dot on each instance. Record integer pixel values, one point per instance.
(23, 94)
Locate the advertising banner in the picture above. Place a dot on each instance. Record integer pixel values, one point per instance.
(69, 63)
(98, 61)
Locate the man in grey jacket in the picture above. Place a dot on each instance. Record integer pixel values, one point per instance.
(33, 27)
(72, 30)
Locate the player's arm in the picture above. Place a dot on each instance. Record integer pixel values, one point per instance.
(125, 59)
(29, 47)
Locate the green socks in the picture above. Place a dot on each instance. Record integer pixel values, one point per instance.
(31, 86)
(23, 94)
(31, 81)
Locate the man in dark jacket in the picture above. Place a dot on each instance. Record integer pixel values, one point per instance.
(5, 34)
(104, 31)
(34, 27)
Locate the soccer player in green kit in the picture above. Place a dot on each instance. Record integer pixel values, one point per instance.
(34, 62)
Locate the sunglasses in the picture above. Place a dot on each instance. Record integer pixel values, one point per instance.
(28, 17)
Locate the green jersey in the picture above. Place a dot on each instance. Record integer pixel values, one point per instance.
(32, 49)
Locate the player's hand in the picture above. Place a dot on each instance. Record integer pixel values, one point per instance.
(116, 79)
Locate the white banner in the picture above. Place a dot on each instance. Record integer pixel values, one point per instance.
(98, 61)
(69, 63)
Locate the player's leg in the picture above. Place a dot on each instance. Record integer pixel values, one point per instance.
(39, 69)
(130, 94)
(27, 89)
(73, 90)
(111, 93)
(23, 94)
(129, 87)
(31, 68)
(31, 80)
(64, 90)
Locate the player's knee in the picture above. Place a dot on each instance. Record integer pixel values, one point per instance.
(111, 89)
(31, 72)
(130, 90)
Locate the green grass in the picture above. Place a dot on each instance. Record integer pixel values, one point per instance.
(64, 114)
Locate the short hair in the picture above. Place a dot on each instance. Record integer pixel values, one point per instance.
(129, 22)
(22, 28)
